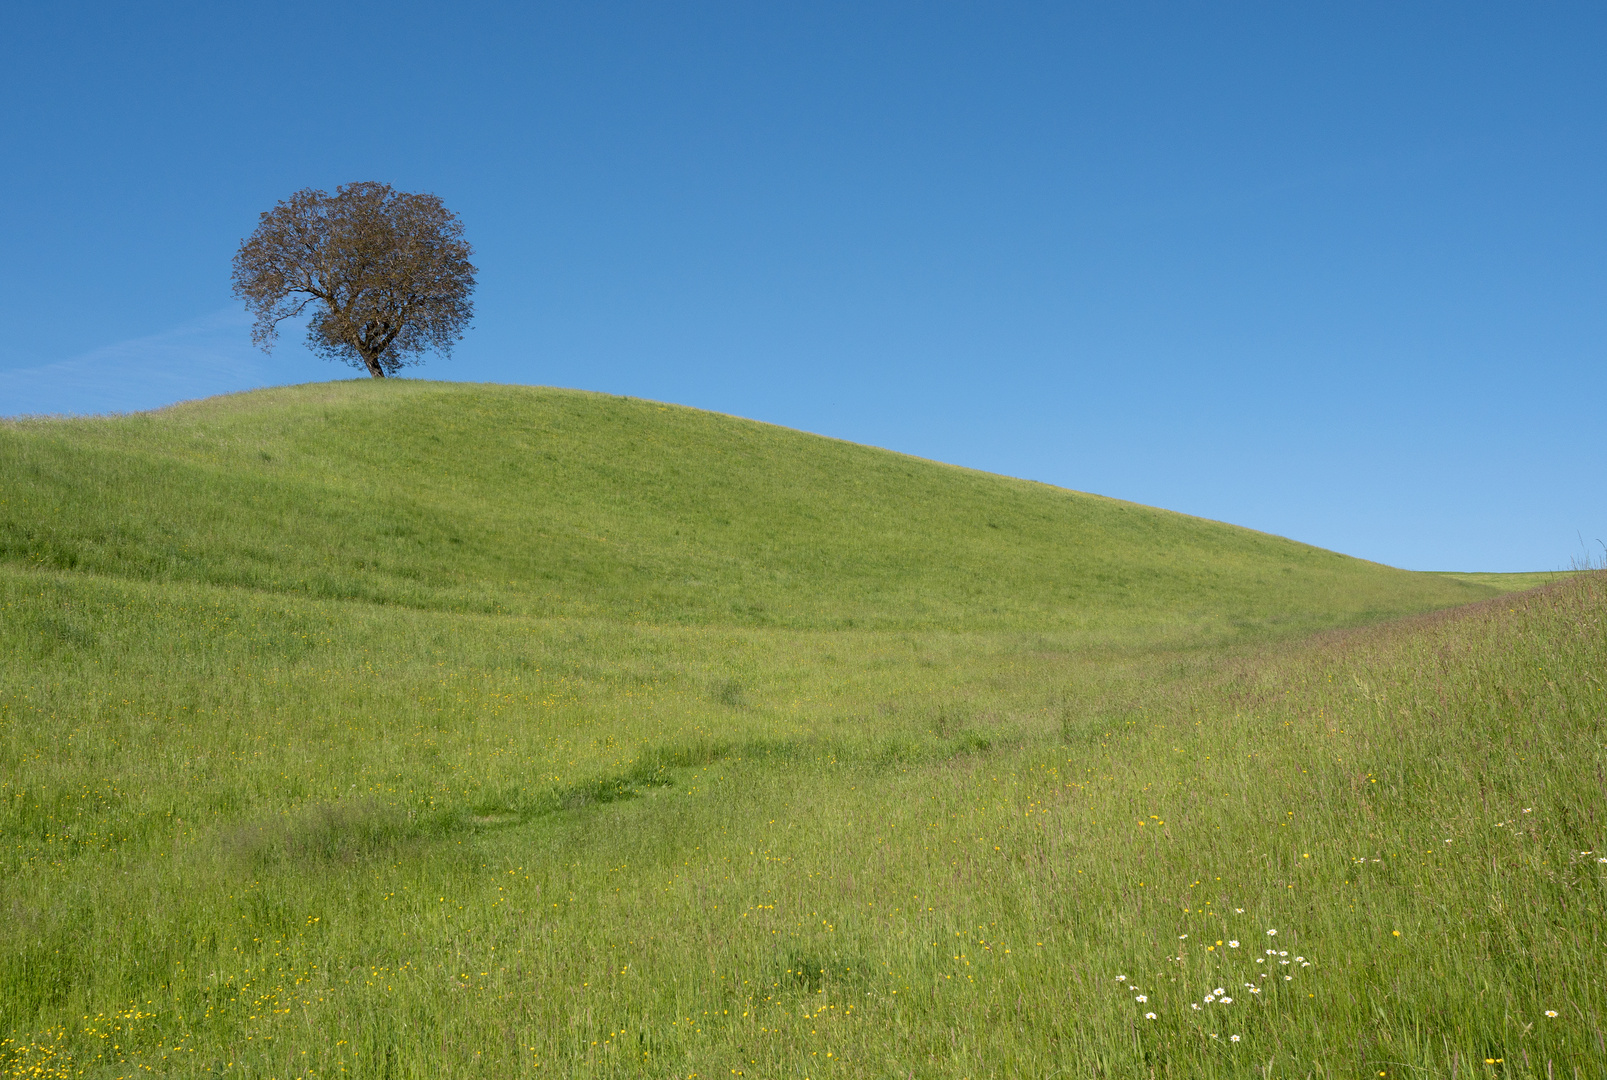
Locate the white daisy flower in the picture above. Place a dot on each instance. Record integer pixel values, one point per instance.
(1549, 1012)
(1272, 933)
(1235, 1038)
(1227, 1001)
(1288, 978)
(1195, 1005)
(1121, 978)
(1233, 944)
(1142, 999)
(1149, 1016)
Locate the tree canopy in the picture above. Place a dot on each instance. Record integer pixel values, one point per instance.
(386, 275)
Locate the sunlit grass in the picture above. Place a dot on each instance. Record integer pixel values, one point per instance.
(515, 500)
(270, 832)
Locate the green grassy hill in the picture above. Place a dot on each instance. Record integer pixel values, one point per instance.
(416, 730)
(547, 502)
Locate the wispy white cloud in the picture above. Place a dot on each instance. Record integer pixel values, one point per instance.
(205, 356)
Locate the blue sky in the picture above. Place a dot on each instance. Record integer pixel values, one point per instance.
(1331, 271)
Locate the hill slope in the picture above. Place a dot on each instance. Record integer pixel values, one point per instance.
(408, 729)
(546, 502)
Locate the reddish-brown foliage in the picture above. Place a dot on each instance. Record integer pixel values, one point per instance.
(386, 273)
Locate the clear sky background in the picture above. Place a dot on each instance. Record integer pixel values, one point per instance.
(1332, 271)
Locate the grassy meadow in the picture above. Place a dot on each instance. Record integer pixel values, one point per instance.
(413, 730)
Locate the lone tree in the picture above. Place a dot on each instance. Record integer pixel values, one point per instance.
(386, 272)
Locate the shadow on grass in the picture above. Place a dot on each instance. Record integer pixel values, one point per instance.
(332, 833)
(352, 831)
(658, 768)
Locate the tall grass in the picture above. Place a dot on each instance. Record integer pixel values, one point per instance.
(258, 829)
